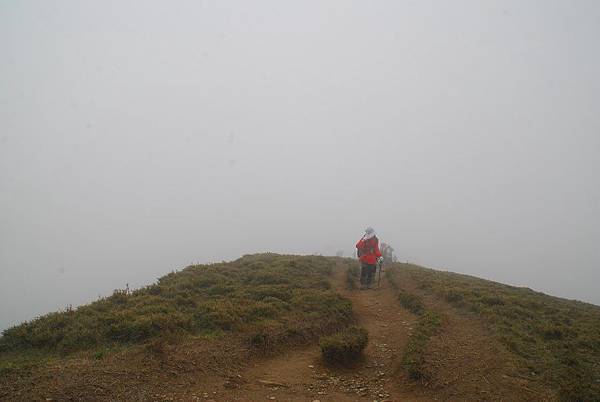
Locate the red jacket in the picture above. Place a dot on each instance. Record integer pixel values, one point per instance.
(369, 250)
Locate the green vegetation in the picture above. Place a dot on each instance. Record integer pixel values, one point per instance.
(411, 302)
(428, 325)
(414, 354)
(557, 340)
(267, 298)
(352, 276)
(344, 346)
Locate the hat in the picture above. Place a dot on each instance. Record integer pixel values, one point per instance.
(369, 233)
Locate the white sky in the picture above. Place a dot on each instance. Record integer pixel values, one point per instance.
(138, 137)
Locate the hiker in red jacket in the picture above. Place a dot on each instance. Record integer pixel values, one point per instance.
(369, 255)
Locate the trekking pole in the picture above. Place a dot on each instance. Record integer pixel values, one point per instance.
(379, 276)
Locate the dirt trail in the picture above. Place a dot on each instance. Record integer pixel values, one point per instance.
(300, 375)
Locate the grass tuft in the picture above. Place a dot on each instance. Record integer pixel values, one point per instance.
(345, 346)
(414, 354)
(352, 277)
(411, 302)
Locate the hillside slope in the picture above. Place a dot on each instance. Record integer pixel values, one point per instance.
(554, 342)
(206, 318)
(249, 330)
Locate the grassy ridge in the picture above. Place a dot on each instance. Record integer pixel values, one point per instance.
(266, 297)
(557, 340)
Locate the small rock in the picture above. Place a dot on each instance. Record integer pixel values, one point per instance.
(272, 383)
(311, 366)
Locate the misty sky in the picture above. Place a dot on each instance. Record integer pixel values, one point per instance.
(139, 137)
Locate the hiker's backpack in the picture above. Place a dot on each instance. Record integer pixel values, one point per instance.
(367, 247)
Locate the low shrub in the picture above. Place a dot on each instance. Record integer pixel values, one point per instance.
(413, 360)
(411, 302)
(352, 276)
(344, 346)
(452, 296)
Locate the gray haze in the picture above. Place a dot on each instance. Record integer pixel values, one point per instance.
(139, 137)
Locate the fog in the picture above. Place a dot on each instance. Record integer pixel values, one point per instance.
(139, 137)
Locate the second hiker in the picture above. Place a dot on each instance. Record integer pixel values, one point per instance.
(369, 255)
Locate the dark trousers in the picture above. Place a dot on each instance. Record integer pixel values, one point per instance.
(367, 272)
